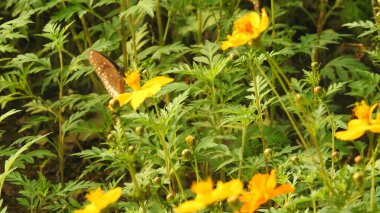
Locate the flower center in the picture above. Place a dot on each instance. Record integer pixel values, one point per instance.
(133, 80)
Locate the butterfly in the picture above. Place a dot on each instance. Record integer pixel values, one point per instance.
(108, 72)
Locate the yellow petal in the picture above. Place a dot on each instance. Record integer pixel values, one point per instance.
(112, 195)
(283, 189)
(271, 184)
(190, 206)
(124, 98)
(160, 80)
(264, 23)
(356, 128)
(225, 190)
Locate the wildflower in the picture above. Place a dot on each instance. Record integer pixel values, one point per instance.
(262, 187)
(140, 93)
(363, 122)
(100, 200)
(246, 29)
(206, 195)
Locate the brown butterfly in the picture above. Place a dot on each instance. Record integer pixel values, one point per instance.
(108, 72)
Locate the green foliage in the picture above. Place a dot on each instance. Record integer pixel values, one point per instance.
(288, 91)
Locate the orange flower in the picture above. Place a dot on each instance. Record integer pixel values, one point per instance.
(139, 94)
(364, 122)
(206, 195)
(262, 187)
(247, 28)
(100, 200)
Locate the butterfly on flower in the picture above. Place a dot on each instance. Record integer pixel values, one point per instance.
(114, 82)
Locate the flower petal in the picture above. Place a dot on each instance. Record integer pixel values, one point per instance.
(160, 80)
(190, 206)
(356, 128)
(283, 189)
(123, 98)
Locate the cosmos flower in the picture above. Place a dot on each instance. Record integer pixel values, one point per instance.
(140, 93)
(363, 122)
(246, 29)
(100, 200)
(262, 188)
(206, 195)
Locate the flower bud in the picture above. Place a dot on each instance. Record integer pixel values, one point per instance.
(170, 196)
(138, 130)
(268, 153)
(358, 178)
(186, 154)
(110, 137)
(335, 156)
(114, 104)
(358, 159)
(298, 99)
(317, 90)
(295, 160)
(157, 180)
(131, 149)
(190, 140)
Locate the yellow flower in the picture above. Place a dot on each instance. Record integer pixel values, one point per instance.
(100, 200)
(206, 195)
(247, 28)
(139, 94)
(262, 187)
(364, 122)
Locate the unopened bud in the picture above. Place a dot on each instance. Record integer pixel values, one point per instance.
(335, 156)
(138, 130)
(358, 178)
(110, 137)
(317, 90)
(157, 180)
(298, 98)
(186, 154)
(170, 196)
(295, 160)
(131, 149)
(190, 140)
(114, 104)
(358, 159)
(268, 153)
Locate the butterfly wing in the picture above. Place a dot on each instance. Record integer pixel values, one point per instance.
(107, 73)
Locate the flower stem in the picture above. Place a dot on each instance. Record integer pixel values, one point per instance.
(159, 23)
(243, 140)
(132, 172)
(60, 119)
(123, 35)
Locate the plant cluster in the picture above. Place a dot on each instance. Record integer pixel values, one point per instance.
(219, 106)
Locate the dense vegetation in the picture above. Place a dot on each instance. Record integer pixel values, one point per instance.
(222, 106)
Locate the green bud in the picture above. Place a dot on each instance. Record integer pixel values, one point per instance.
(186, 154)
(190, 140)
(268, 153)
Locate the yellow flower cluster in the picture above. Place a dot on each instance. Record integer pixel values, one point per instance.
(363, 122)
(100, 200)
(206, 195)
(140, 93)
(261, 188)
(246, 29)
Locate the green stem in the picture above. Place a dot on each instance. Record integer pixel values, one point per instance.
(159, 23)
(123, 35)
(86, 32)
(60, 119)
(132, 172)
(260, 115)
(273, 18)
(243, 140)
(200, 24)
